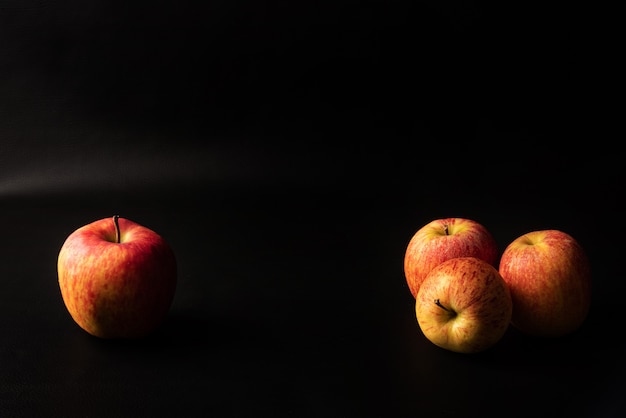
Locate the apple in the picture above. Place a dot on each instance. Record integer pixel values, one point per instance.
(117, 278)
(443, 239)
(464, 305)
(549, 276)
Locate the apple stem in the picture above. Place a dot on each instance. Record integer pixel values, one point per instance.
(117, 228)
(441, 306)
(445, 229)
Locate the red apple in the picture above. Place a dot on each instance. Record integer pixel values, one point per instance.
(549, 276)
(117, 278)
(443, 239)
(464, 305)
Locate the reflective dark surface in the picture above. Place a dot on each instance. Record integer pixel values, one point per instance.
(288, 304)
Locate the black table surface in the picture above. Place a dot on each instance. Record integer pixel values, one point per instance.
(291, 301)
(288, 152)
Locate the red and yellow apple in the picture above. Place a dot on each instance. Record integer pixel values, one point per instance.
(464, 305)
(443, 239)
(117, 278)
(549, 276)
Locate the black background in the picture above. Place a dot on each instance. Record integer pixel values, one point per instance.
(288, 151)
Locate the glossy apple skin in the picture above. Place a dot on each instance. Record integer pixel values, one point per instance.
(477, 302)
(549, 275)
(443, 239)
(117, 290)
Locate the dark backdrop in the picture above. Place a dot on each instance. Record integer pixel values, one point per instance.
(288, 151)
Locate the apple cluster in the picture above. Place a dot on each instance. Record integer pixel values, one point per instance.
(467, 294)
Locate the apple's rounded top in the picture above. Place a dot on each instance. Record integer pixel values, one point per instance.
(452, 226)
(117, 229)
(465, 263)
(455, 222)
(113, 231)
(545, 236)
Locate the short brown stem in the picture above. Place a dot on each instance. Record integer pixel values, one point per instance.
(117, 228)
(445, 230)
(441, 306)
